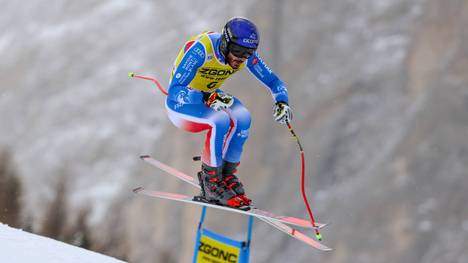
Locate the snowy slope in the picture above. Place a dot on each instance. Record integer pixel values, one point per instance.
(19, 246)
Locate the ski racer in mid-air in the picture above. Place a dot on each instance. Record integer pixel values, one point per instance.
(196, 103)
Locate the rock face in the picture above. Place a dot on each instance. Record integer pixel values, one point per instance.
(379, 92)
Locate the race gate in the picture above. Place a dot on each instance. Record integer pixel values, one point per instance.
(211, 247)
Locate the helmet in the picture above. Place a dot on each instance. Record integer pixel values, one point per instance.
(240, 37)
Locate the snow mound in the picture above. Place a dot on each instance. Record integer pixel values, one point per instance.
(19, 246)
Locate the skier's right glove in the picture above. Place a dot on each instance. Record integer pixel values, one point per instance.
(218, 101)
(282, 112)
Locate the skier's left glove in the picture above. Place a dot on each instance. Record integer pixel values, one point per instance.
(218, 101)
(282, 112)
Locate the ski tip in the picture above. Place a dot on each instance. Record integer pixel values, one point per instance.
(326, 249)
(144, 157)
(131, 74)
(321, 225)
(138, 189)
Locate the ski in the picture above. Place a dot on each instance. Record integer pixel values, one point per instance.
(269, 218)
(189, 199)
(278, 225)
(296, 234)
(253, 211)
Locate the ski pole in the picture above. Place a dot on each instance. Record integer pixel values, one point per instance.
(133, 75)
(318, 236)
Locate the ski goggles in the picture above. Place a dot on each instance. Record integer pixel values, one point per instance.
(240, 51)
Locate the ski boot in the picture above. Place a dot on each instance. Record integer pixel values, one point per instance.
(232, 182)
(214, 190)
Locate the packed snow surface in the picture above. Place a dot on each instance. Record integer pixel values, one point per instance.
(22, 247)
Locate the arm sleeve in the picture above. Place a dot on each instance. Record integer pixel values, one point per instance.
(262, 72)
(184, 73)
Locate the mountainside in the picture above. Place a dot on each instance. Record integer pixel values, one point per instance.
(379, 93)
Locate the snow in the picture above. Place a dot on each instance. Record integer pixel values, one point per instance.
(19, 246)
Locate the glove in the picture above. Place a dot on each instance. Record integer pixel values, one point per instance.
(219, 101)
(282, 112)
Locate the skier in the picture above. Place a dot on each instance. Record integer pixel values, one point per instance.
(195, 103)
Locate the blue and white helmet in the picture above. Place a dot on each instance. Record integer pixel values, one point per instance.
(240, 37)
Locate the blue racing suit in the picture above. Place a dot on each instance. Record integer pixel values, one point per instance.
(200, 69)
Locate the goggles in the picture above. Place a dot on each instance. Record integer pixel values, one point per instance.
(240, 51)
